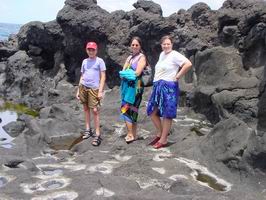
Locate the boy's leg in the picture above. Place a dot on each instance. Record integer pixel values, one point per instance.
(96, 116)
(87, 116)
(88, 132)
(94, 104)
(83, 95)
(97, 140)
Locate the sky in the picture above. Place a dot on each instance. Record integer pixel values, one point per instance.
(23, 11)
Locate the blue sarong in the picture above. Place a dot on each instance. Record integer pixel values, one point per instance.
(164, 96)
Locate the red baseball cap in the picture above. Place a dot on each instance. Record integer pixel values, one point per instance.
(91, 45)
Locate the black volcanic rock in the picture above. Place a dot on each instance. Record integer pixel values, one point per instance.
(41, 41)
(262, 104)
(14, 128)
(9, 47)
(238, 25)
(148, 6)
(226, 86)
(238, 4)
(81, 22)
(200, 13)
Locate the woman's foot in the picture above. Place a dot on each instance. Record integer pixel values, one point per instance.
(159, 145)
(129, 139)
(154, 141)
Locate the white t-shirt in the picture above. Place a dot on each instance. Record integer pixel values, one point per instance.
(168, 66)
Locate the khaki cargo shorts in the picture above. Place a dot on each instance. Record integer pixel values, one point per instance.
(89, 96)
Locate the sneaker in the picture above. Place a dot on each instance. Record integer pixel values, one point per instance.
(87, 134)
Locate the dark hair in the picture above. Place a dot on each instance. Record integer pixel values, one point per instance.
(138, 39)
(165, 38)
(141, 50)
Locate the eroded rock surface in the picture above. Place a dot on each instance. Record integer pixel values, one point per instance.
(223, 143)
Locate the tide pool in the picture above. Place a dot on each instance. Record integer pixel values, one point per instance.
(6, 117)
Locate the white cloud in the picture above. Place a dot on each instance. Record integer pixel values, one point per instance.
(168, 6)
(113, 5)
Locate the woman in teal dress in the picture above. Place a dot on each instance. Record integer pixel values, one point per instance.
(132, 88)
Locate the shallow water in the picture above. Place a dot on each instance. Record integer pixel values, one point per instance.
(6, 29)
(212, 182)
(6, 117)
(17, 108)
(3, 181)
(9, 113)
(50, 171)
(51, 185)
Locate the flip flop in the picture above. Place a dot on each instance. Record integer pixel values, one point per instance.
(129, 139)
(159, 145)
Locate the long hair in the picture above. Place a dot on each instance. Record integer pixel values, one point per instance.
(141, 50)
(139, 41)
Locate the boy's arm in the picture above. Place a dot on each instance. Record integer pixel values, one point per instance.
(77, 95)
(81, 78)
(102, 82)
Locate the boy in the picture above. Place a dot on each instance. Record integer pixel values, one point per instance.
(90, 90)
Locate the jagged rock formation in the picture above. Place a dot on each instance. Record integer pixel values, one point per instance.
(227, 84)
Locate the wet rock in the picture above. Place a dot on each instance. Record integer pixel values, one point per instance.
(13, 163)
(14, 128)
(8, 48)
(227, 85)
(185, 187)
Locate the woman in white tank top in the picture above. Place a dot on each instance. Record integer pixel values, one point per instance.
(163, 101)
